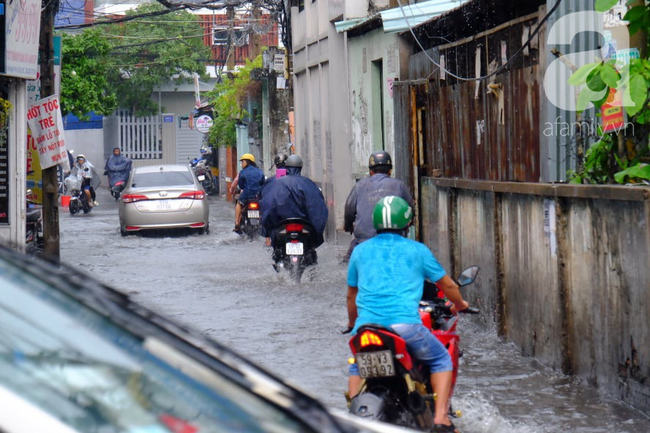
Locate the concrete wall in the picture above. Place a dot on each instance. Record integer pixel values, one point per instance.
(366, 53)
(564, 271)
(89, 142)
(321, 103)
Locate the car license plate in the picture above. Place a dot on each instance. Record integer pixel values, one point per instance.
(253, 214)
(201, 177)
(294, 249)
(163, 204)
(375, 364)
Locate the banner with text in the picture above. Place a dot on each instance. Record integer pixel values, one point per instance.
(46, 125)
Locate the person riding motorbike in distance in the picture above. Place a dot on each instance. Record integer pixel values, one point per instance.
(117, 167)
(83, 171)
(250, 181)
(363, 197)
(385, 284)
(294, 196)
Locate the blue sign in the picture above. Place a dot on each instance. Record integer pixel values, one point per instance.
(168, 119)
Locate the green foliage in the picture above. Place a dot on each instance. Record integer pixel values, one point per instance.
(605, 5)
(85, 75)
(602, 163)
(639, 171)
(151, 52)
(120, 65)
(228, 99)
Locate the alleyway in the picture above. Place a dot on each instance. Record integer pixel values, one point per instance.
(225, 287)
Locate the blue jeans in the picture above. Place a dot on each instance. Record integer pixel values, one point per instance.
(423, 345)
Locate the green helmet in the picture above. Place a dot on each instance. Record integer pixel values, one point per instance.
(392, 213)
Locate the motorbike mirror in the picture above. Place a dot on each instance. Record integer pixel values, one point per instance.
(468, 276)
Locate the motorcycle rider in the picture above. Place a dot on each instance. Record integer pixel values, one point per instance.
(83, 171)
(250, 181)
(361, 201)
(117, 167)
(385, 280)
(279, 162)
(294, 196)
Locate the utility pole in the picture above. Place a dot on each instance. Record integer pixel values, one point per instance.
(255, 45)
(230, 57)
(51, 247)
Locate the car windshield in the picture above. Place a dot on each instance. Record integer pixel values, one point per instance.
(162, 178)
(96, 376)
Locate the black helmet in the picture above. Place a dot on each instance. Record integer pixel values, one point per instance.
(293, 161)
(380, 158)
(280, 160)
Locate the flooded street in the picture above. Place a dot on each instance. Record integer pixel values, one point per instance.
(225, 287)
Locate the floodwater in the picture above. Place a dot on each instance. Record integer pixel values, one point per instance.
(225, 287)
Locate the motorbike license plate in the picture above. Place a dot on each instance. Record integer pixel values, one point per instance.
(295, 249)
(201, 177)
(164, 204)
(375, 364)
(253, 214)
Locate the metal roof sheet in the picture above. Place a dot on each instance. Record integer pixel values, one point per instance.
(347, 25)
(401, 18)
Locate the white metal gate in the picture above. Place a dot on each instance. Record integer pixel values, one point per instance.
(140, 137)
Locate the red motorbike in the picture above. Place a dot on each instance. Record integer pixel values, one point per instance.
(395, 388)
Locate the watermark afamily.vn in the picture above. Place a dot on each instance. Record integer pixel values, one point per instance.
(562, 128)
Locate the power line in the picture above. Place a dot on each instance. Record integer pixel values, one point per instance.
(493, 73)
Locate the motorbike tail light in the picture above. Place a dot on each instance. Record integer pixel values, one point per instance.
(369, 338)
(132, 198)
(194, 195)
(294, 227)
(253, 205)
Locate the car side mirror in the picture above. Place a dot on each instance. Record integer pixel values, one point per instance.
(468, 276)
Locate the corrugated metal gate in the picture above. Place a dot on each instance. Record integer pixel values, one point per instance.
(188, 143)
(458, 129)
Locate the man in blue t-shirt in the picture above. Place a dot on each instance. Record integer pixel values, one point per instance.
(385, 280)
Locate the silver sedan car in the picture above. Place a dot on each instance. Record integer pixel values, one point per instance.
(165, 196)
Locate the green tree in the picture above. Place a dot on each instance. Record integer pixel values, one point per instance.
(620, 157)
(152, 51)
(85, 71)
(120, 65)
(229, 98)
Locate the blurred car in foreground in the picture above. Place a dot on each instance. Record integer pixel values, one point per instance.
(165, 196)
(79, 357)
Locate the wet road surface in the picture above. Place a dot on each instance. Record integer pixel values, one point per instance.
(225, 287)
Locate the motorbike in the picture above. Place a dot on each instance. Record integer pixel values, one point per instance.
(118, 173)
(251, 219)
(34, 240)
(293, 248)
(395, 387)
(78, 199)
(203, 172)
(117, 188)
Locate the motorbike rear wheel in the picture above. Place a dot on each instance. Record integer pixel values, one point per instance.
(295, 270)
(74, 206)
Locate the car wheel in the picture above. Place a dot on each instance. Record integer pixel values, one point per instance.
(123, 232)
(205, 230)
